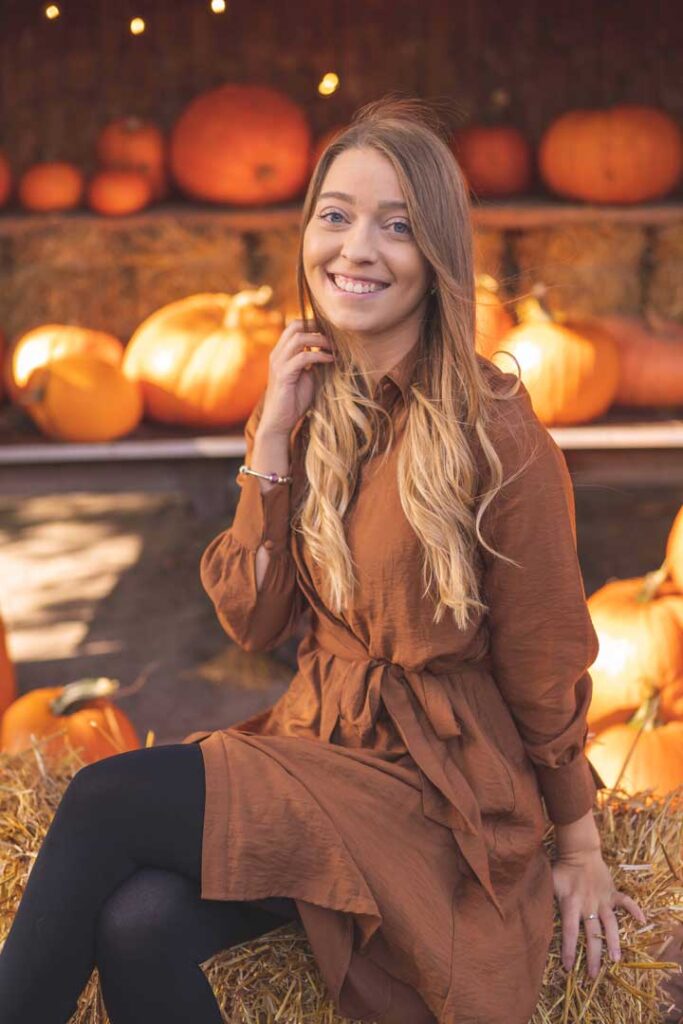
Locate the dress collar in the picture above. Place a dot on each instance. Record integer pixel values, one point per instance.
(401, 373)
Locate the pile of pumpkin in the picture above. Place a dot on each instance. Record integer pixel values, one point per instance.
(252, 145)
(576, 369)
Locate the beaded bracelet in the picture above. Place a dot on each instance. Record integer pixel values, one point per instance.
(274, 478)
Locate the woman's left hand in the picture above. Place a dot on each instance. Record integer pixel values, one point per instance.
(583, 885)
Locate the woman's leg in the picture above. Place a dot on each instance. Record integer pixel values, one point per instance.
(152, 934)
(142, 808)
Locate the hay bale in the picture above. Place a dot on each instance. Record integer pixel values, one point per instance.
(274, 259)
(588, 268)
(664, 293)
(276, 977)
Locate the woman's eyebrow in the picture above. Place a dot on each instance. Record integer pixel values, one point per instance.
(383, 203)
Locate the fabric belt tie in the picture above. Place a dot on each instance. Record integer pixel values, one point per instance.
(424, 717)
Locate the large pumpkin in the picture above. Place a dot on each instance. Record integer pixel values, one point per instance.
(5, 179)
(204, 360)
(639, 623)
(244, 144)
(51, 186)
(80, 714)
(8, 678)
(650, 360)
(496, 160)
(41, 345)
(116, 191)
(628, 153)
(132, 143)
(83, 398)
(571, 370)
(493, 318)
(674, 551)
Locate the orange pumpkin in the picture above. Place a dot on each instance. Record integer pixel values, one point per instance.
(643, 753)
(51, 186)
(674, 551)
(493, 318)
(571, 370)
(639, 623)
(496, 160)
(132, 143)
(203, 361)
(323, 141)
(80, 715)
(82, 398)
(3, 363)
(41, 345)
(650, 360)
(244, 144)
(8, 678)
(628, 153)
(116, 192)
(5, 180)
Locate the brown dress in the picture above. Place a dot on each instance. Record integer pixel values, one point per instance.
(394, 790)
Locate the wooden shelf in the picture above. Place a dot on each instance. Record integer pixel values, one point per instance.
(510, 213)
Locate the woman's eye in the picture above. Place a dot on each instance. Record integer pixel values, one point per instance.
(401, 224)
(330, 213)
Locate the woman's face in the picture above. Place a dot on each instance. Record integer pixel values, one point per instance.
(361, 262)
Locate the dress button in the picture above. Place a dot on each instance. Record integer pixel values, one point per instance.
(268, 544)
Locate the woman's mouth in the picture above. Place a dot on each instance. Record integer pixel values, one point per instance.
(342, 285)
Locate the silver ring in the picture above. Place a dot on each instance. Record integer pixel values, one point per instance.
(589, 916)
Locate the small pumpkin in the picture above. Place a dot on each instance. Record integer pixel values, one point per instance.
(80, 714)
(131, 143)
(496, 159)
(8, 678)
(639, 623)
(115, 192)
(674, 551)
(650, 360)
(51, 186)
(82, 398)
(570, 369)
(627, 153)
(645, 752)
(41, 345)
(5, 179)
(493, 318)
(245, 144)
(203, 360)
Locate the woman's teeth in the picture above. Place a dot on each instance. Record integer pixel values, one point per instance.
(347, 284)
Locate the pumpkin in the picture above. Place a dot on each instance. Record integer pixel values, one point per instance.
(3, 363)
(131, 143)
(493, 319)
(323, 141)
(674, 551)
(571, 370)
(639, 624)
(116, 192)
(8, 679)
(650, 360)
(244, 144)
(51, 186)
(644, 753)
(80, 714)
(628, 153)
(5, 180)
(496, 159)
(203, 360)
(82, 398)
(42, 344)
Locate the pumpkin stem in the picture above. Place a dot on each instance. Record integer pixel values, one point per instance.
(248, 297)
(652, 581)
(30, 396)
(487, 281)
(533, 308)
(82, 690)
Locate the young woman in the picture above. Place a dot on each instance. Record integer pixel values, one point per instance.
(392, 799)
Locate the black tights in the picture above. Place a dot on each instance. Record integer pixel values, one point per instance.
(116, 885)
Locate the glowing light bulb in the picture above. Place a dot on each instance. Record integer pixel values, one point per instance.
(52, 11)
(218, 6)
(137, 26)
(329, 83)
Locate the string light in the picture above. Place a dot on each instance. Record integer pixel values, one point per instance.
(52, 11)
(328, 84)
(217, 6)
(137, 26)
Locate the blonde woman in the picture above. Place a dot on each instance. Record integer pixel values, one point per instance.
(393, 800)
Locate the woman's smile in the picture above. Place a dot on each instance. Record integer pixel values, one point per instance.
(353, 288)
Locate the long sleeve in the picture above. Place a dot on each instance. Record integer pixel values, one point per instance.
(257, 620)
(541, 634)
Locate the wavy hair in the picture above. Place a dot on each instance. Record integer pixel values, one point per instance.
(450, 401)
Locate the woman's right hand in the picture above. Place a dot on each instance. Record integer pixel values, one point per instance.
(290, 389)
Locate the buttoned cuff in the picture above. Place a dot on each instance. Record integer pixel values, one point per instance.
(569, 790)
(261, 517)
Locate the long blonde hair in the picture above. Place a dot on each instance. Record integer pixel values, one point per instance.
(449, 401)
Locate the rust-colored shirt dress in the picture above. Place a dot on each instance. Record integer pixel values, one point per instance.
(396, 790)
